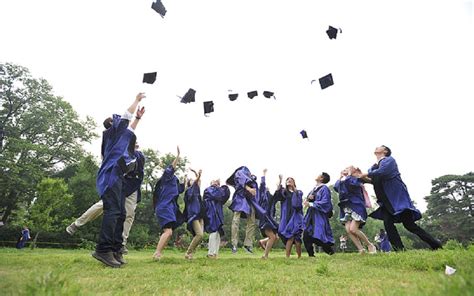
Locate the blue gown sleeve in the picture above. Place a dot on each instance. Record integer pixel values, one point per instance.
(279, 196)
(385, 167)
(168, 173)
(324, 203)
(337, 186)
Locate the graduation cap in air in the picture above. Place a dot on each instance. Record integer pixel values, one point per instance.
(189, 96)
(268, 94)
(159, 7)
(326, 81)
(304, 134)
(252, 94)
(332, 32)
(233, 97)
(149, 78)
(208, 107)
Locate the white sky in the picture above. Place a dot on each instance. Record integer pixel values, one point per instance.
(403, 73)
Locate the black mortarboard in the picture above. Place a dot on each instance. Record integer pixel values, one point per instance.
(189, 96)
(159, 7)
(252, 94)
(149, 78)
(268, 94)
(233, 97)
(304, 134)
(332, 32)
(326, 81)
(208, 107)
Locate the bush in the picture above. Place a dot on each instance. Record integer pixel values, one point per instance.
(453, 244)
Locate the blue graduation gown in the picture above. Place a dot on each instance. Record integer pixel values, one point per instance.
(192, 206)
(351, 196)
(291, 221)
(25, 236)
(316, 219)
(268, 203)
(166, 194)
(385, 243)
(386, 172)
(239, 179)
(214, 199)
(115, 144)
(133, 180)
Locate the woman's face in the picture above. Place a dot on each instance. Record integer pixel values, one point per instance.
(290, 182)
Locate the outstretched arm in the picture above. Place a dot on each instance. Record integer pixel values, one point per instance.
(134, 105)
(138, 116)
(198, 176)
(175, 161)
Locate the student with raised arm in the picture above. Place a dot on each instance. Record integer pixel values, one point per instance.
(193, 212)
(215, 196)
(165, 203)
(117, 161)
(268, 226)
(291, 221)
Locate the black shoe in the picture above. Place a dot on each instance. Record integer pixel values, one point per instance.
(119, 257)
(123, 250)
(248, 249)
(106, 258)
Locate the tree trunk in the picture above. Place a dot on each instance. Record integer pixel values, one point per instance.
(7, 213)
(33, 244)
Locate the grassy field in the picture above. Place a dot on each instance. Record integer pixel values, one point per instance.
(75, 272)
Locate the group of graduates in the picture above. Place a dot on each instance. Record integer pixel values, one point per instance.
(121, 174)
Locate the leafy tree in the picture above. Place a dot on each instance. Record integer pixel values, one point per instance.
(450, 208)
(48, 213)
(39, 132)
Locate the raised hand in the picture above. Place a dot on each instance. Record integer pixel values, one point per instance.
(140, 96)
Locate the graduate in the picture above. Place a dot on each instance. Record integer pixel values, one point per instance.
(317, 228)
(193, 212)
(165, 203)
(268, 226)
(244, 205)
(118, 144)
(24, 237)
(395, 203)
(291, 221)
(215, 196)
(353, 214)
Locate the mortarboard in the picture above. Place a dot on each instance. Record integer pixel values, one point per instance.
(189, 96)
(159, 7)
(149, 78)
(252, 94)
(332, 32)
(208, 107)
(268, 94)
(304, 134)
(233, 97)
(326, 81)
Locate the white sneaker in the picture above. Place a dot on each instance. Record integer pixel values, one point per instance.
(71, 228)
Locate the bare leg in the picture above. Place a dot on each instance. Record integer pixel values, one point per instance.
(289, 244)
(270, 240)
(353, 237)
(298, 248)
(355, 230)
(164, 238)
(263, 242)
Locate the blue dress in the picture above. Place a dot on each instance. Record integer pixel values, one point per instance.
(392, 193)
(192, 206)
(166, 195)
(116, 155)
(291, 221)
(351, 196)
(214, 199)
(316, 219)
(268, 203)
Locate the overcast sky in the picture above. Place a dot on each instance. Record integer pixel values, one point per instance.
(403, 74)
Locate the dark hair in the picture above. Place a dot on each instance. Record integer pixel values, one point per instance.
(107, 122)
(294, 182)
(326, 177)
(388, 152)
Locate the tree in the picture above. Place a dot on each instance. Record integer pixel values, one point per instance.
(39, 132)
(450, 208)
(48, 213)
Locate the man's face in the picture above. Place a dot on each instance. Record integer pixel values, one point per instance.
(379, 152)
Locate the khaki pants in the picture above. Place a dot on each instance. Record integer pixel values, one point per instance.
(249, 229)
(214, 243)
(198, 227)
(98, 208)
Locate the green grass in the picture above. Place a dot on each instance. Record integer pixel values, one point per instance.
(75, 272)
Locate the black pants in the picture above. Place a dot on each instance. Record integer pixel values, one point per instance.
(308, 241)
(407, 221)
(110, 237)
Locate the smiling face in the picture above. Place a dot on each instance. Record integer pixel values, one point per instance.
(290, 182)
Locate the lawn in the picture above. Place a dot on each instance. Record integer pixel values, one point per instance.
(75, 272)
